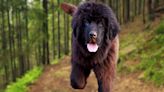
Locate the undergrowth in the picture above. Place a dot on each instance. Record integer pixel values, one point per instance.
(150, 54)
(152, 57)
(21, 84)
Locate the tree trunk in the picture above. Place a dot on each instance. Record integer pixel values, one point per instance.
(59, 31)
(27, 35)
(45, 33)
(150, 10)
(4, 47)
(53, 30)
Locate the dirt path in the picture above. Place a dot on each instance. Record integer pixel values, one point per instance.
(55, 78)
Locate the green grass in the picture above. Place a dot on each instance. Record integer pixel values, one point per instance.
(152, 57)
(150, 54)
(152, 61)
(160, 30)
(21, 84)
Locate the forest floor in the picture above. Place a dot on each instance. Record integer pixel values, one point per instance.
(55, 78)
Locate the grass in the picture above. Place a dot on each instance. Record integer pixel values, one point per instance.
(21, 84)
(152, 57)
(149, 52)
(152, 61)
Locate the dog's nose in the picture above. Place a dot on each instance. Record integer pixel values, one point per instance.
(93, 34)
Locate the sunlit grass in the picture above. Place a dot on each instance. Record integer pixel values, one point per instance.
(149, 53)
(21, 84)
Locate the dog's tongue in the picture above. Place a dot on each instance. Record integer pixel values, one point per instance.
(92, 47)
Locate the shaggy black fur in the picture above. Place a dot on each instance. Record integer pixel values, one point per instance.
(93, 12)
(103, 61)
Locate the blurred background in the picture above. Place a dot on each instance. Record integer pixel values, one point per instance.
(35, 46)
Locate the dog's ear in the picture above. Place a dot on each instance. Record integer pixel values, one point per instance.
(68, 8)
(113, 28)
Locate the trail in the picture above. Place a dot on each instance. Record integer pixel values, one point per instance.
(55, 78)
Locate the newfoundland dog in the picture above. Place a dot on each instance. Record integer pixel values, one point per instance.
(95, 44)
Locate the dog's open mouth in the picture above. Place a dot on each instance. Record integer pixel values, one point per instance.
(92, 47)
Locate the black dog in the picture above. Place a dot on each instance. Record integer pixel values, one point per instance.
(95, 44)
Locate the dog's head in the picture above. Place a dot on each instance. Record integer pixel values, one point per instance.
(92, 24)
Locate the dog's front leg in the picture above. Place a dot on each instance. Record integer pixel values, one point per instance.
(105, 74)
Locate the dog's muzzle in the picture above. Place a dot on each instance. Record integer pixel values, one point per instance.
(92, 45)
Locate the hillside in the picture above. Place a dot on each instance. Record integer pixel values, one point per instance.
(140, 68)
(144, 51)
